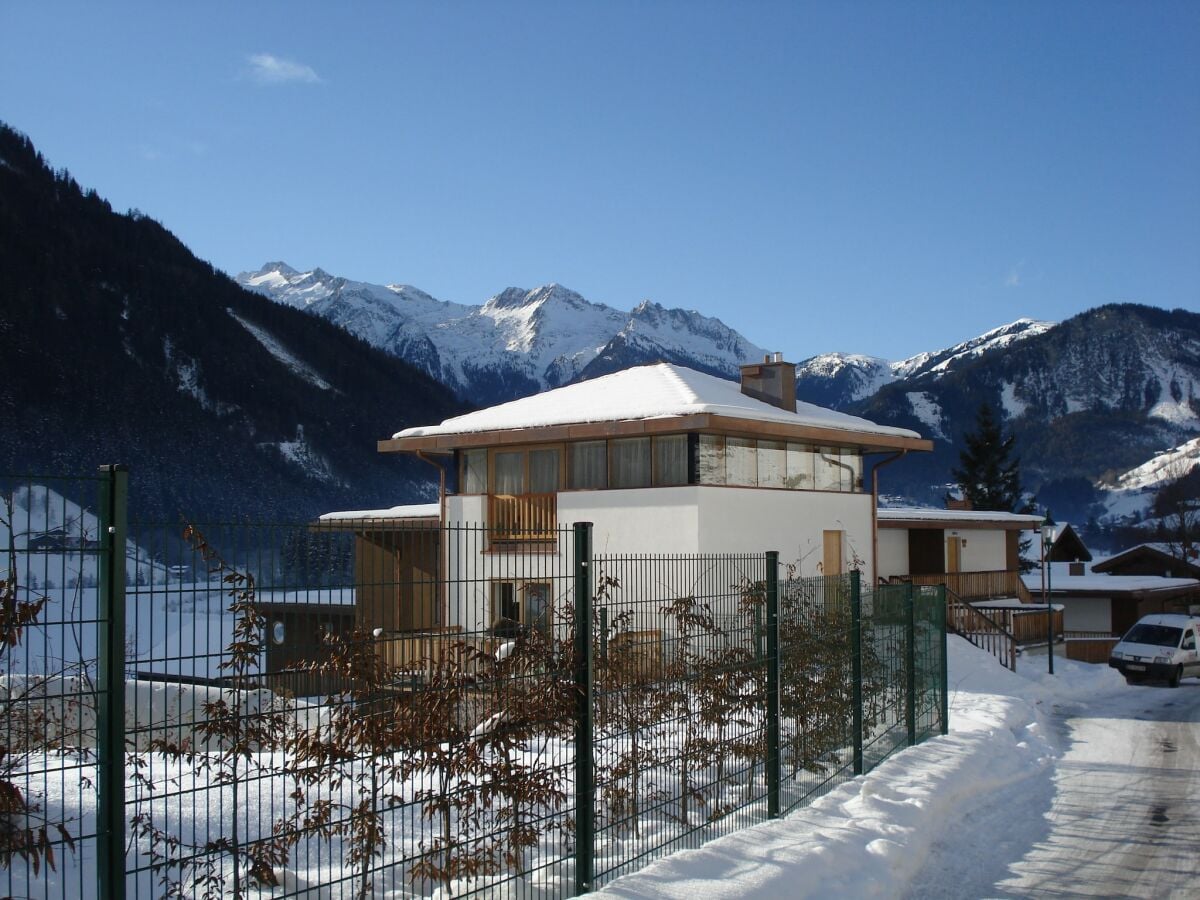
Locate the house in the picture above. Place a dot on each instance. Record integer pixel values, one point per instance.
(660, 459)
(1099, 604)
(975, 553)
(1150, 559)
(1066, 546)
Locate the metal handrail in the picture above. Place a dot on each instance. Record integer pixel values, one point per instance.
(981, 630)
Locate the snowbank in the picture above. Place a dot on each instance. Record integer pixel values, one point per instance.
(871, 836)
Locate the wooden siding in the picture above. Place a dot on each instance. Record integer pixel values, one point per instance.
(993, 585)
(396, 578)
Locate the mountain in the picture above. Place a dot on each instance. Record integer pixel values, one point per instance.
(120, 346)
(838, 380)
(1093, 396)
(517, 343)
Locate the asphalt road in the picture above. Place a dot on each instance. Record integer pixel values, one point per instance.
(1118, 815)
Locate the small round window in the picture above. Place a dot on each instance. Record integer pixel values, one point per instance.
(277, 633)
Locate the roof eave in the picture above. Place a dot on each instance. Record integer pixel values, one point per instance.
(445, 443)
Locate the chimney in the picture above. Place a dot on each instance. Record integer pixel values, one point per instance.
(771, 381)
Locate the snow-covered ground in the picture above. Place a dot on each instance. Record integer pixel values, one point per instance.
(1132, 494)
(957, 815)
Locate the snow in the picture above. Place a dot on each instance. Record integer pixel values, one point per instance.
(1133, 492)
(921, 514)
(546, 335)
(925, 408)
(939, 362)
(1013, 407)
(873, 836)
(296, 365)
(656, 391)
(411, 511)
(1105, 584)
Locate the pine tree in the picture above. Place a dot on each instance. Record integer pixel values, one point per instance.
(988, 473)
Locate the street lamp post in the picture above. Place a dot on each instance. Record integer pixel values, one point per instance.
(1047, 587)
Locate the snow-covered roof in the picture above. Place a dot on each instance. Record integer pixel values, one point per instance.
(965, 516)
(1107, 584)
(658, 391)
(412, 511)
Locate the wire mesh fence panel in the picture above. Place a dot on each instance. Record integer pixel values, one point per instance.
(680, 703)
(816, 687)
(361, 705)
(50, 616)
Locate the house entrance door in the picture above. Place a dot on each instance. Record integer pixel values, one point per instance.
(953, 554)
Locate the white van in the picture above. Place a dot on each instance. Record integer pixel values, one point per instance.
(1161, 646)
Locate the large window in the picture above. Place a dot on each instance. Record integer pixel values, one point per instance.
(776, 464)
(629, 463)
(589, 465)
(662, 461)
(473, 472)
(670, 460)
(532, 471)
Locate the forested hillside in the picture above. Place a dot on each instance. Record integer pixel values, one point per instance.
(119, 345)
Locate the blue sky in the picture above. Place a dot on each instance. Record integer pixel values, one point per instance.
(866, 177)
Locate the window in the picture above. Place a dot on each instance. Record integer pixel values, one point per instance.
(518, 605)
(589, 465)
(1189, 641)
(741, 461)
(827, 473)
(629, 463)
(670, 460)
(799, 467)
(473, 472)
(711, 462)
(510, 471)
(534, 471)
(543, 471)
(772, 464)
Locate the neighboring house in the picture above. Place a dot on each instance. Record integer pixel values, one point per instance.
(1065, 546)
(973, 552)
(1149, 559)
(660, 459)
(1104, 604)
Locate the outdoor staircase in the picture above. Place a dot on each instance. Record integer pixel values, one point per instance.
(981, 629)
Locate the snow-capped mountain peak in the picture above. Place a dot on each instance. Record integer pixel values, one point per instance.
(517, 342)
(937, 362)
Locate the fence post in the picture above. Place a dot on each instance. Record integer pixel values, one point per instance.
(910, 665)
(856, 665)
(945, 673)
(110, 676)
(585, 776)
(773, 760)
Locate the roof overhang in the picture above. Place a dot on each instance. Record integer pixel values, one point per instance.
(948, 522)
(708, 422)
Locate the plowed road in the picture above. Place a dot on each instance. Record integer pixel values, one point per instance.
(1118, 815)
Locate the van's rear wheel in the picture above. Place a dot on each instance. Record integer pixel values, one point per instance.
(1176, 676)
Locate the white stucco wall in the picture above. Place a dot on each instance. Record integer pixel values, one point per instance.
(1086, 613)
(893, 552)
(686, 520)
(743, 520)
(984, 550)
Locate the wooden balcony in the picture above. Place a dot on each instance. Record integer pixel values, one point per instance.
(522, 518)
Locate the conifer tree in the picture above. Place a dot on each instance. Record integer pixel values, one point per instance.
(989, 474)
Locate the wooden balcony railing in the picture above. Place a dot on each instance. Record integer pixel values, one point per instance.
(522, 517)
(976, 585)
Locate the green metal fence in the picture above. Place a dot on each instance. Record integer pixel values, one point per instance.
(360, 705)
